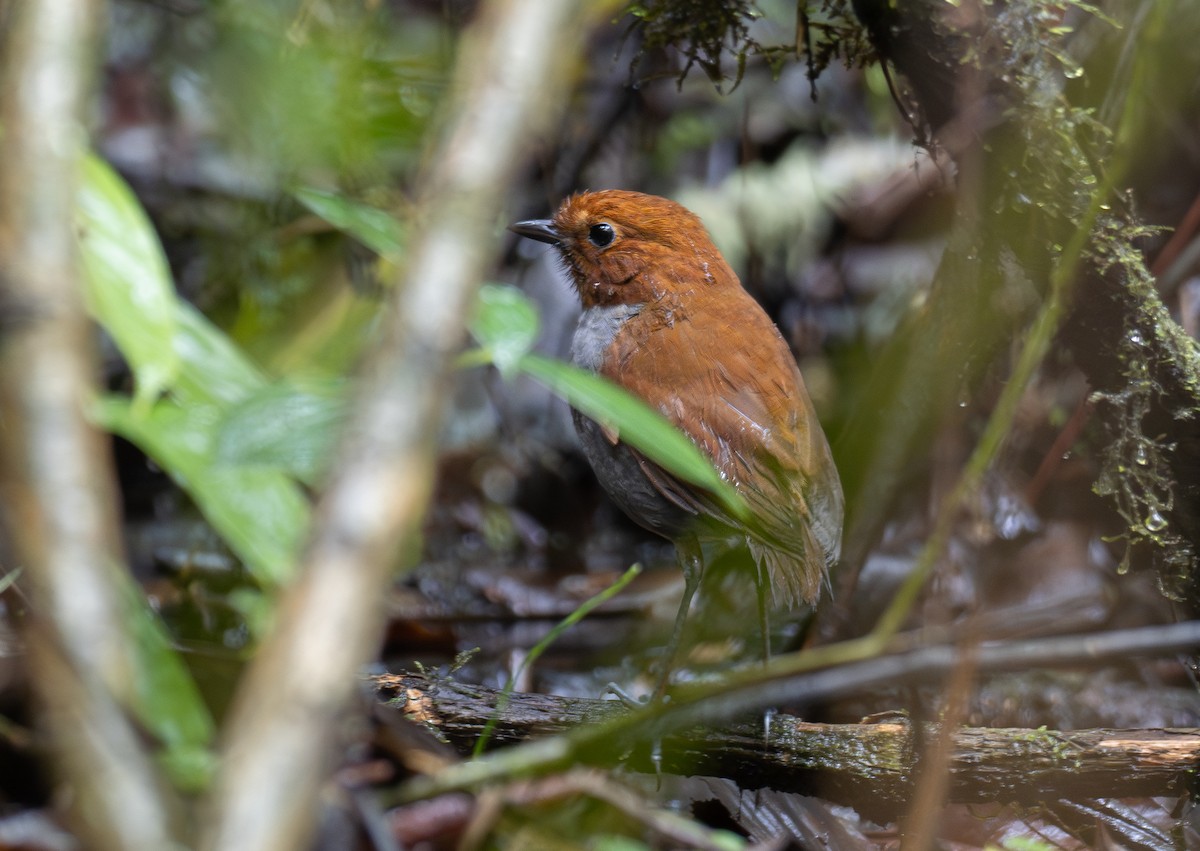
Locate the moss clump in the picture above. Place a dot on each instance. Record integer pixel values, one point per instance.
(1136, 466)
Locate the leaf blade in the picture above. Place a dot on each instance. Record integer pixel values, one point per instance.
(506, 323)
(261, 513)
(377, 229)
(639, 425)
(127, 283)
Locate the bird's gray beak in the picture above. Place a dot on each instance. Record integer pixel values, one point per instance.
(543, 230)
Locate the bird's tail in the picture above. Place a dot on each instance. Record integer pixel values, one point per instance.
(795, 580)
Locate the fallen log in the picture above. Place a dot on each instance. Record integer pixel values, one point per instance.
(870, 765)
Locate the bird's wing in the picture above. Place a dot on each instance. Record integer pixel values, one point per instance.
(728, 380)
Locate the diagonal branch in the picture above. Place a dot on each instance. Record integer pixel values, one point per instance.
(509, 78)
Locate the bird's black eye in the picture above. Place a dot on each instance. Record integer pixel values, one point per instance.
(602, 234)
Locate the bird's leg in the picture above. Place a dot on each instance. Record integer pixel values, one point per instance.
(691, 561)
(761, 585)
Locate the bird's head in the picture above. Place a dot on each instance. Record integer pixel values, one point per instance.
(628, 248)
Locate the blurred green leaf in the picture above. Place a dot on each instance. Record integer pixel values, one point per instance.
(640, 426)
(128, 283)
(257, 609)
(167, 701)
(289, 426)
(506, 324)
(377, 229)
(727, 840)
(213, 371)
(303, 92)
(260, 512)
(167, 342)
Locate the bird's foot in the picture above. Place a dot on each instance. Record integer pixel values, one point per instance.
(625, 697)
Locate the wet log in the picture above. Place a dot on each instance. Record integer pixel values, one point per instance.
(870, 765)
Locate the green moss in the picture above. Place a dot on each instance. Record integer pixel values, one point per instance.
(1052, 743)
(1136, 468)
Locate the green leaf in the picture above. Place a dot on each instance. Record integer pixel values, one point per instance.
(213, 370)
(643, 428)
(128, 284)
(377, 229)
(260, 512)
(167, 701)
(506, 324)
(168, 343)
(289, 426)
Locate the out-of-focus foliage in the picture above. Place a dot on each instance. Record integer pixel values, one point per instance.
(129, 286)
(167, 701)
(377, 230)
(129, 292)
(801, 189)
(506, 324)
(830, 33)
(258, 100)
(341, 91)
(239, 404)
(237, 392)
(259, 511)
(290, 426)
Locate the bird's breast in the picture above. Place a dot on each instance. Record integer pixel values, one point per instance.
(598, 327)
(618, 468)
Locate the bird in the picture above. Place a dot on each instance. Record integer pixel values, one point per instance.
(667, 319)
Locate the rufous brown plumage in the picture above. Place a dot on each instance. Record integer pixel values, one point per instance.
(665, 317)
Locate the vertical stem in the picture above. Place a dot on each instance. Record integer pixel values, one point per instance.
(58, 491)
